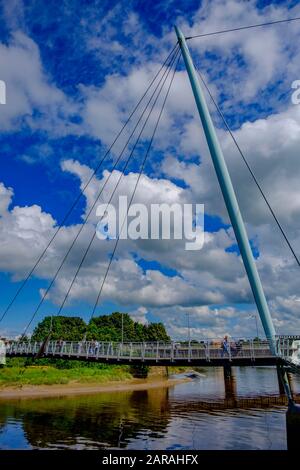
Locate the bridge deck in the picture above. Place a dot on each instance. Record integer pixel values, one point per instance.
(155, 353)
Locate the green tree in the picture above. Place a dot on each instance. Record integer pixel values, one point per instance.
(156, 332)
(139, 331)
(67, 328)
(102, 328)
(109, 328)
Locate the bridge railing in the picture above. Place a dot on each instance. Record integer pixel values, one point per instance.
(288, 347)
(173, 351)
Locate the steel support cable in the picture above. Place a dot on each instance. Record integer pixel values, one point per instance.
(249, 169)
(134, 191)
(116, 186)
(97, 198)
(240, 28)
(162, 79)
(68, 213)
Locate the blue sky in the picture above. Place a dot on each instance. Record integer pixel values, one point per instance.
(73, 71)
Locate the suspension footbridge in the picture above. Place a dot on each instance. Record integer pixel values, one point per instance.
(207, 353)
(280, 351)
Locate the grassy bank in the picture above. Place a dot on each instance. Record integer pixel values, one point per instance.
(18, 372)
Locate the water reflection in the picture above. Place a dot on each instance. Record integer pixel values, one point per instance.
(183, 417)
(104, 420)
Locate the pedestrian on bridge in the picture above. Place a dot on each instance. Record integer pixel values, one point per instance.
(225, 346)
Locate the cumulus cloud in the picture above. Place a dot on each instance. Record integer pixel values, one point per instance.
(250, 59)
(240, 72)
(23, 231)
(211, 284)
(128, 284)
(30, 89)
(6, 195)
(213, 277)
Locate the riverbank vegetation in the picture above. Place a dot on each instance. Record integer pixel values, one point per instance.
(20, 371)
(48, 371)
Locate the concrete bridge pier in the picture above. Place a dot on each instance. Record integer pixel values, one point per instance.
(227, 369)
(229, 382)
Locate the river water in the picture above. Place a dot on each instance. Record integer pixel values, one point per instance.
(190, 415)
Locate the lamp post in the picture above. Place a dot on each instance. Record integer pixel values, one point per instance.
(253, 315)
(122, 327)
(188, 326)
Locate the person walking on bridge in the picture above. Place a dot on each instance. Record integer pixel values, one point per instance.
(225, 346)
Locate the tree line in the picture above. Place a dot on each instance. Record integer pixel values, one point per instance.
(102, 328)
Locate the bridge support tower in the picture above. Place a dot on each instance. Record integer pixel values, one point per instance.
(232, 207)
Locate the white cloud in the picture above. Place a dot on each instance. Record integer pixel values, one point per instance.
(211, 276)
(246, 63)
(30, 89)
(6, 195)
(265, 53)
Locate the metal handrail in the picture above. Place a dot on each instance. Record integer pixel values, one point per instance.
(157, 351)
